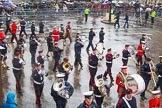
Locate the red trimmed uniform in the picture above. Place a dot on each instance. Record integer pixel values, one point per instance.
(154, 103)
(93, 62)
(140, 53)
(68, 28)
(56, 34)
(109, 60)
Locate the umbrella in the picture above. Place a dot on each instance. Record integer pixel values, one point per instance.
(9, 4)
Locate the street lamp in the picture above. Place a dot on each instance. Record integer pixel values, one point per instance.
(1, 85)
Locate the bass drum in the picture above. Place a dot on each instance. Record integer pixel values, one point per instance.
(136, 83)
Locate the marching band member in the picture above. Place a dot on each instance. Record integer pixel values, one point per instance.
(88, 101)
(93, 62)
(41, 27)
(33, 29)
(4, 51)
(125, 55)
(62, 33)
(159, 73)
(40, 58)
(140, 52)
(55, 34)
(68, 30)
(109, 60)
(127, 101)
(90, 44)
(33, 48)
(61, 91)
(78, 37)
(38, 82)
(120, 81)
(77, 48)
(154, 102)
(146, 75)
(101, 37)
(65, 68)
(23, 25)
(57, 54)
(13, 31)
(49, 44)
(19, 49)
(100, 90)
(17, 70)
(142, 38)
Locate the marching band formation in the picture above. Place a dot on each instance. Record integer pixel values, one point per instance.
(127, 85)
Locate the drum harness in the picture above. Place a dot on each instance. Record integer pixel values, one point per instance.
(124, 79)
(126, 102)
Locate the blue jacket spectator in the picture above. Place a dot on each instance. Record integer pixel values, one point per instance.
(10, 102)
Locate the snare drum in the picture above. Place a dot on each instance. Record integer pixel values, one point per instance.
(136, 83)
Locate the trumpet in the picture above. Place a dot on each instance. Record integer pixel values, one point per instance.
(116, 55)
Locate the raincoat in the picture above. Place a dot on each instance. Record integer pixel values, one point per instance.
(10, 102)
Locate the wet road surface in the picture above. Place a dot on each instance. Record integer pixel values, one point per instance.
(80, 79)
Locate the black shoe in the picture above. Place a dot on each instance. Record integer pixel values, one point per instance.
(105, 78)
(103, 48)
(20, 93)
(81, 68)
(143, 98)
(112, 80)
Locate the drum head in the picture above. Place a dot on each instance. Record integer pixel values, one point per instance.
(136, 83)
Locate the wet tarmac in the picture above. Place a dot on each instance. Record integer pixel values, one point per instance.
(80, 79)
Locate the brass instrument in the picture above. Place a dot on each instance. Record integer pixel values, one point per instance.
(101, 87)
(132, 50)
(66, 66)
(116, 55)
(61, 90)
(64, 93)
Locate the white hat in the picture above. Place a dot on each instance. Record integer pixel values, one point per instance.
(1, 29)
(2, 47)
(58, 86)
(124, 67)
(160, 56)
(88, 94)
(143, 42)
(155, 92)
(60, 75)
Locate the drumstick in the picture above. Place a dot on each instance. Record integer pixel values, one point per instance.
(153, 78)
